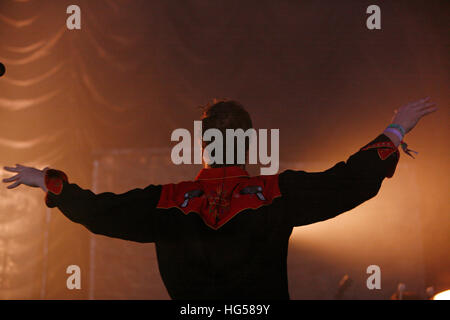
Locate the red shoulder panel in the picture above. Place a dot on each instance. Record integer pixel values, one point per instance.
(217, 201)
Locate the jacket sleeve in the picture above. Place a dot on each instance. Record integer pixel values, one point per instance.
(310, 197)
(129, 216)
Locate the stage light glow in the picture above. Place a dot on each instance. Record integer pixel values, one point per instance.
(444, 295)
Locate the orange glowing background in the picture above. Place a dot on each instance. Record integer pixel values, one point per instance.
(100, 103)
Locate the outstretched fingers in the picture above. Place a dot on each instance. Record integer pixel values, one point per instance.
(426, 111)
(16, 178)
(423, 104)
(10, 179)
(12, 169)
(14, 185)
(426, 106)
(420, 101)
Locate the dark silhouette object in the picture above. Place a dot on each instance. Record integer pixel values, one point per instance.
(2, 69)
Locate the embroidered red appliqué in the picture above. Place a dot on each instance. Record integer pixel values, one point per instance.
(220, 199)
(384, 149)
(54, 180)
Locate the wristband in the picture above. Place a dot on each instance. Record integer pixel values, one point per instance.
(396, 132)
(398, 127)
(399, 131)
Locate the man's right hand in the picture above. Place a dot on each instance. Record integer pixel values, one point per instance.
(28, 176)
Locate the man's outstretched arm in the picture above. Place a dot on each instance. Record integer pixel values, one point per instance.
(316, 196)
(130, 215)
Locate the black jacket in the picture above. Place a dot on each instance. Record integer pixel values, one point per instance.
(227, 241)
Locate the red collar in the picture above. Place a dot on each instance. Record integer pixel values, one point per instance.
(220, 173)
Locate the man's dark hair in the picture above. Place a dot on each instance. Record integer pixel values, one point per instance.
(225, 114)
